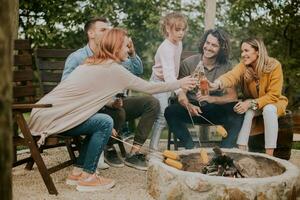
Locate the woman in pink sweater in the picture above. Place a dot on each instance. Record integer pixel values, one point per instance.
(77, 99)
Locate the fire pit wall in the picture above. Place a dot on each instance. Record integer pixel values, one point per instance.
(268, 178)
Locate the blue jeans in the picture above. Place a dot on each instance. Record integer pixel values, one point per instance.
(220, 114)
(97, 130)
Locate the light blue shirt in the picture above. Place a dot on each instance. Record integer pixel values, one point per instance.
(133, 64)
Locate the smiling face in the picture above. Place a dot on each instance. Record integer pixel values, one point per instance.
(249, 54)
(211, 47)
(123, 53)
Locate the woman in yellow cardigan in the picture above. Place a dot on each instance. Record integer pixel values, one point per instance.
(261, 80)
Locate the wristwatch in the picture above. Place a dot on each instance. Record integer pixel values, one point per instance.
(253, 104)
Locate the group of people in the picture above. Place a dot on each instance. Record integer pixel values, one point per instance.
(87, 101)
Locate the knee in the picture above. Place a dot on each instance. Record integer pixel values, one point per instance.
(152, 103)
(168, 112)
(121, 115)
(269, 109)
(104, 122)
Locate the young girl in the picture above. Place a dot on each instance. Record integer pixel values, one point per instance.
(166, 67)
(261, 79)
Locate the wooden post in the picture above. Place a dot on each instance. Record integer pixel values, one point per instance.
(7, 12)
(210, 14)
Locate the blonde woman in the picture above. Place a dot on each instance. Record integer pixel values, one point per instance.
(261, 80)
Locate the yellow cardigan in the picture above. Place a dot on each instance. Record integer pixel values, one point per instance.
(270, 86)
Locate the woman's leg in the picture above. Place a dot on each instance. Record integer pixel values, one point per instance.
(160, 122)
(97, 129)
(243, 137)
(271, 127)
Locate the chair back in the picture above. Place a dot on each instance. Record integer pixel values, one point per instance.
(24, 90)
(50, 64)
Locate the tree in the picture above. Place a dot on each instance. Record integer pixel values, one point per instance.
(7, 15)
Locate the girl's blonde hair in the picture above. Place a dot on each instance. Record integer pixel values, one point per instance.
(263, 57)
(109, 46)
(172, 20)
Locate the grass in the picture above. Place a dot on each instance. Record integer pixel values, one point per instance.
(296, 145)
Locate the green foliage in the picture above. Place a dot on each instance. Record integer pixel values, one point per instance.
(53, 23)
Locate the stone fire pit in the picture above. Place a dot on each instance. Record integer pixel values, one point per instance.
(269, 178)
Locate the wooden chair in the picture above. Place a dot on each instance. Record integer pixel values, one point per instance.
(50, 64)
(24, 94)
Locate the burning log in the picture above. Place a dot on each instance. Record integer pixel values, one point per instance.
(222, 165)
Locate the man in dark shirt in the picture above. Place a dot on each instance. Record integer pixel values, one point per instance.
(217, 107)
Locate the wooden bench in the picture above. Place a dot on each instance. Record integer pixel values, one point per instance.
(50, 64)
(24, 94)
(296, 126)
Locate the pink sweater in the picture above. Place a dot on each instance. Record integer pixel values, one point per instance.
(86, 90)
(167, 61)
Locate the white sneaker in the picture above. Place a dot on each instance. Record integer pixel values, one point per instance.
(101, 163)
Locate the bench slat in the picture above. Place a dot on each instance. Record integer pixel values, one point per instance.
(22, 45)
(22, 60)
(53, 53)
(47, 88)
(23, 91)
(23, 75)
(51, 65)
(50, 77)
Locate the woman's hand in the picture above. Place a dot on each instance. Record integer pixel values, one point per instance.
(215, 85)
(242, 106)
(188, 83)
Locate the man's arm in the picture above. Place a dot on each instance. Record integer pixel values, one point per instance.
(134, 65)
(70, 64)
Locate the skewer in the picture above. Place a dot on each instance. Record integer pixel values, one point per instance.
(198, 136)
(149, 150)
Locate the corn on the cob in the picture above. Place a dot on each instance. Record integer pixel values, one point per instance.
(170, 154)
(221, 131)
(203, 156)
(173, 163)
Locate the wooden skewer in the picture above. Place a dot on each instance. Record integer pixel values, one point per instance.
(146, 148)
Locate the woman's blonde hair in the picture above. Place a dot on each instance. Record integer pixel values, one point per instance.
(263, 57)
(172, 20)
(109, 46)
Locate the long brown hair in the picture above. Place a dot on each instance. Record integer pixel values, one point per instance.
(263, 57)
(109, 46)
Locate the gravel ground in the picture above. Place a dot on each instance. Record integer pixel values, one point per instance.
(130, 183)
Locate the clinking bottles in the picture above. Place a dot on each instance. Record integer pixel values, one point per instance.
(202, 81)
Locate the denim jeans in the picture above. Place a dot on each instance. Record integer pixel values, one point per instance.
(97, 130)
(220, 114)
